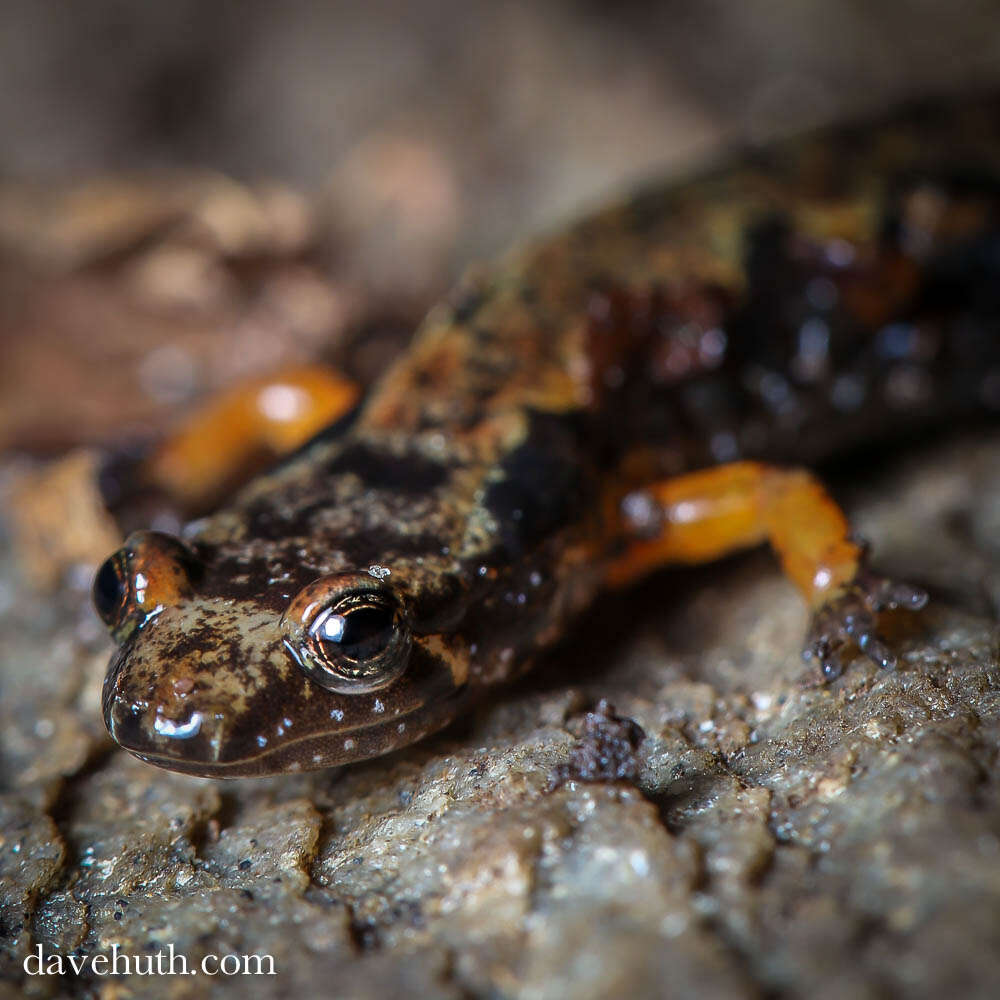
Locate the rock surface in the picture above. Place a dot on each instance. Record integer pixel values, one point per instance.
(778, 839)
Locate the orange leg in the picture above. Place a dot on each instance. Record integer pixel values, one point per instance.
(703, 515)
(262, 418)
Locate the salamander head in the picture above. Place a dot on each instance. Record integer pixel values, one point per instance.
(283, 675)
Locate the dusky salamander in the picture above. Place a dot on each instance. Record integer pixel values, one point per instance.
(636, 390)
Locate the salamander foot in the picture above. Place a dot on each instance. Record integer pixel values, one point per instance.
(851, 618)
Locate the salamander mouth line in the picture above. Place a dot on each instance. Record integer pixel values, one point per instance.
(204, 767)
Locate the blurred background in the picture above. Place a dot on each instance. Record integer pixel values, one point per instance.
(195, 191)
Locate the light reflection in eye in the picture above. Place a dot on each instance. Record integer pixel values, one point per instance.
(331, 627)
(348, 633)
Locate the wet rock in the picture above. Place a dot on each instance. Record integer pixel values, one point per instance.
(31, 857)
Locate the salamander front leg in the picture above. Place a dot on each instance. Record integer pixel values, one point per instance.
(703, 515)
(258, 420)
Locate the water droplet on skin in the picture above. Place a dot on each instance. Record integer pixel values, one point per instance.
(897, 341)
(712, 347)
(724, 446)
(908, 386)
(840, 253)
(822, 294)
(811, 361)
(775, 390)
(847, 393)
(642, 514)
(178, 730)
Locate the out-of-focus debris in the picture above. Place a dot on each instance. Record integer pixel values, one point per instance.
(58, 520)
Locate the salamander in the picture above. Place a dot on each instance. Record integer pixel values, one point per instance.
(642, 388)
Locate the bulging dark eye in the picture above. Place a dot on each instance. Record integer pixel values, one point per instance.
(359, 634)
(110, 591)
(149, 572)
(348, 634)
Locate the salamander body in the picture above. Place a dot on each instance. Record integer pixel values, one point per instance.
(620, 395)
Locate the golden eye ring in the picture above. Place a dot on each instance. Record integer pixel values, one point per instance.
(349, 633)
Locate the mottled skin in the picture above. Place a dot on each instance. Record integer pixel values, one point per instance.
(815, 296)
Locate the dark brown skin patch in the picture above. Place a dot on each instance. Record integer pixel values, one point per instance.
(539, 483)
(834, 290)
(407, 473)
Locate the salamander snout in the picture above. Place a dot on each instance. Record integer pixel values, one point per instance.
(151, 725)
(151, 571)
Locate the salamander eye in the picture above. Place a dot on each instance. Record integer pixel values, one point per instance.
(110, 591)
(348, 633)
(149, 572)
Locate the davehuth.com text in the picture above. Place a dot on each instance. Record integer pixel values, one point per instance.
(166, 962)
